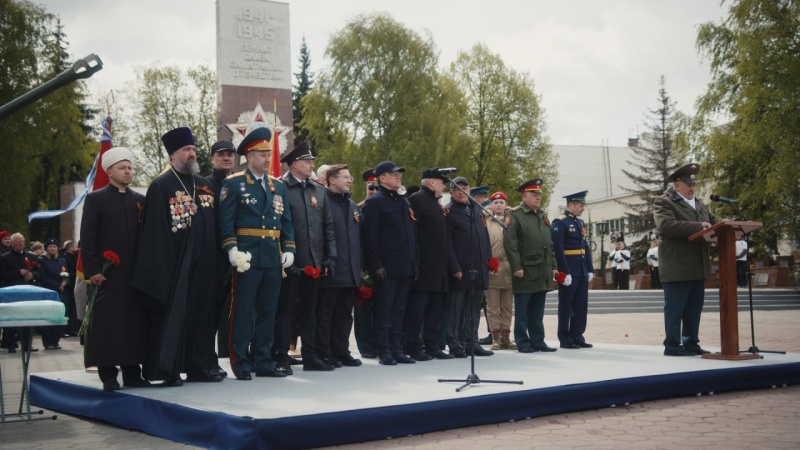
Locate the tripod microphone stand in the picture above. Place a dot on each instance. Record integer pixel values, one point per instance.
(753, 349)
(473, 378)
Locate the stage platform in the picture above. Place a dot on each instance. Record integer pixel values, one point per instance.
(371, 402)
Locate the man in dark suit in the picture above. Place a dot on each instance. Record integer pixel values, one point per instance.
(222, 162)
(364, 313)
(16, 267)
(316, 250)
(470, 252)
(429, 291)
(574, 258)
(253, 219)
(389, 240)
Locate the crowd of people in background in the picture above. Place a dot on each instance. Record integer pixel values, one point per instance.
(241, 265)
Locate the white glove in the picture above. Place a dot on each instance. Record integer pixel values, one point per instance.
(568, 280)
(287, 260)
(591, 276)
(232, 255)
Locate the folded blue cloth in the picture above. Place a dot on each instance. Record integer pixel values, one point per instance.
(26, 293)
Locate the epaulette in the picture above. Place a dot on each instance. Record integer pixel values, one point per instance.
(562, 217)
(237, 174)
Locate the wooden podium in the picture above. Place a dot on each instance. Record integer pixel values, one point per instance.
(726, 234)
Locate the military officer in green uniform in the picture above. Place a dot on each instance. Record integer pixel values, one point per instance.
(529, 248)
(684, 264)
(253, 219)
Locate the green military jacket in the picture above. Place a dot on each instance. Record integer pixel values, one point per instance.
(679, 258)
(529, 247)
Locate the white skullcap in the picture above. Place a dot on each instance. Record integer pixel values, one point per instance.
(115, 155)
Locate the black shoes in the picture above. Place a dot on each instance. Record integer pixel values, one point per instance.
(570, 345)
(546, 349)
(135, 383)
(349, 361)
(420, 356)
(273, 373)
(698, 351)
(585, 345)
(438, 354)
(316, 365)
(204, 376)
(244, 376)
(52, 347)
(370, 355)
(219, 371)
(110, 385)
(486, 341)
(679, 351)
(331, 361)
(387, 360)
(525, 350)
(403, 359)
(294, 361)
(479, 351)
(174, 382)
(458, 352)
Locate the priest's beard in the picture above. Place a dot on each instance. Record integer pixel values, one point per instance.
(187, 167)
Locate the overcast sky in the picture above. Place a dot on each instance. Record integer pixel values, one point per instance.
(596, 64)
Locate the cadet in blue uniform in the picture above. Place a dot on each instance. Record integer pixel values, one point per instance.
(574, 258)
(253, 218)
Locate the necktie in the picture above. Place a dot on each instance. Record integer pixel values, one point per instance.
(261, 182)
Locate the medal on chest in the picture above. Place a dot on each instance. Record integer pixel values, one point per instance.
(181, 208)
(277, 204)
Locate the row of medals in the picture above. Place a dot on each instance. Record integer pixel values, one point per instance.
(182, 207)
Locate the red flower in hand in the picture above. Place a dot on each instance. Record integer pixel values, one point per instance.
(31, 265)
(364, 294)
(561, 277)
(311, 271)
(111, 256)
(494, 264)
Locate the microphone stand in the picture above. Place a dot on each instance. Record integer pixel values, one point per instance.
(753, 349)
(473, 378)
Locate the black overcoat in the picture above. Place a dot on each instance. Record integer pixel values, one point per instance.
(460, 226)
(433, 241)
(110, 221)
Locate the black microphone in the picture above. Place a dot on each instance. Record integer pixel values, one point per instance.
(447, 170)
(717, 198)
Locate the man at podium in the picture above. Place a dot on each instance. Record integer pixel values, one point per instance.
(684, 264)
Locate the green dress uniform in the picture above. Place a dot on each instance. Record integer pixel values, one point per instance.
(253, 217)
(529, 247)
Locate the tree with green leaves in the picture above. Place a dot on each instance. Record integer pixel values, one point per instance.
(44, 144)
(305, 81)
(654, 158)
(382, 99)
(163, 98)
(504, 123)
(750, 115)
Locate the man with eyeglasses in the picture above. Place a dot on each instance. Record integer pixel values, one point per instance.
(389, 240)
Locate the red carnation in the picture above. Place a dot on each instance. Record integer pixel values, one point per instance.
(31, 265)
(494, 264)
(112, 257)
(364, 294)
(311, 271)
(561, 277)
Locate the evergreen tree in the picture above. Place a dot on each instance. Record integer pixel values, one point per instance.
(655, 157)
(305, 82)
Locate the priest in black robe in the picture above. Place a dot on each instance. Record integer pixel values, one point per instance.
(176, 267)
(117, 333)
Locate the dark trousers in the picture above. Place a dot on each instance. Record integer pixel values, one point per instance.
(51, 335)
(683, 304)
(423, 314)
(253, 318)
(622, 277)
(391, 298)
(463, 313)
(298, 293)
(364, 326)
(655, 279)
(334, 321)
(529, 319)
(573, 304)
(72, 325)
(129, 373)
(741, 273)
(222, 317)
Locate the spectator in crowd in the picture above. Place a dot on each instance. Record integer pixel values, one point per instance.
(51, 274)
(652, 261)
